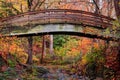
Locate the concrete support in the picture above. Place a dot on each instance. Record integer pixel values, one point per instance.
(51, 44)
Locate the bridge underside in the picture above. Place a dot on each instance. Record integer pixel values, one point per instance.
(70, 29)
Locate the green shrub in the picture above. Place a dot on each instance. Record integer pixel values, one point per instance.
(95, 63)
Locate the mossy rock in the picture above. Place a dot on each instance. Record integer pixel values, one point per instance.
(42, 70)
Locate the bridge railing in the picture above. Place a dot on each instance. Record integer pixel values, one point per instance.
(58, 16)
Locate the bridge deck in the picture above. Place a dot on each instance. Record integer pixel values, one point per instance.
(58, 16)
(23, 23)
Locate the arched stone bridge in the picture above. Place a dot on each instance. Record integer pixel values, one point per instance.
(65, 21)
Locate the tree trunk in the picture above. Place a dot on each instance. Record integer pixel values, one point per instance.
(117, 8)
(43, 49)
(96, 2)
(30, 41)
(29, 3)
(119, 53)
